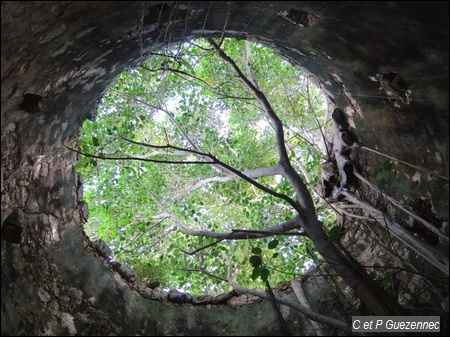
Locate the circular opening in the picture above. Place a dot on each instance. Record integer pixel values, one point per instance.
(181, 166)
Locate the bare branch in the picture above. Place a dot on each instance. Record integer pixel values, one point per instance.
(276, 309)
(425, 223)
(434, 256)
(305, 311)
(299, 293)
(180, 73)
(268, 232)
(284, 227)
(253, 174)
(203, 247)
(103, 157)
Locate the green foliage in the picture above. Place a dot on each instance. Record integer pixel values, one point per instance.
(380, 174)
(333, 234)
(259, 269)
(273, 244)
(188, 98)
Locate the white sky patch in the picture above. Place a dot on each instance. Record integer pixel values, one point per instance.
(308, 265)
(110, 111)
(261, 127)
(278, 178)
(225, 127)
(160, 116)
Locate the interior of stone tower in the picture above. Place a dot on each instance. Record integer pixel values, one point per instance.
(383, 66)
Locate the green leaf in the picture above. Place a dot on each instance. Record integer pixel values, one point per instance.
(387, 165)
(333, 235)
(256, 251)
(376, 172)
(275, 255)
(113, 234)
(95, 141)
(256, 273)
(255, 260)
(386, 281)
(264, 274)
(273, 244)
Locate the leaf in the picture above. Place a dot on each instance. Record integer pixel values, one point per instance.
(386, 281)
(302, 249)
(273, 244)
(275, 255)
(376, 172)
(256, 251)
(264, 274)
(333, 235)
(387, 165)
(256, 273)
(255, 260)
(95, 141)
(113, 234)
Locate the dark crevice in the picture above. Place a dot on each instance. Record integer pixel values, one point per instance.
(12, 229)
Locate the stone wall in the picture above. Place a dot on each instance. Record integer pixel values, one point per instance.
(384, 63)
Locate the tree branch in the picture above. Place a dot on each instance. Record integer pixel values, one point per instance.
(397, 204)
(365, 287)
(229, 168)
(276, 309)
(253, 174)
(137, 158)
(298, 291)
(305, 200)
(307, 312)
(432, 255)
(281, 228)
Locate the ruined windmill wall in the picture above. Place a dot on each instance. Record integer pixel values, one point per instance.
(58, 58)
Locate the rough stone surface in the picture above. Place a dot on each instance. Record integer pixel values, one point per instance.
(385, 64)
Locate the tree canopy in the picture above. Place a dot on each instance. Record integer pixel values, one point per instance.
(202, 172)
(184, 101)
